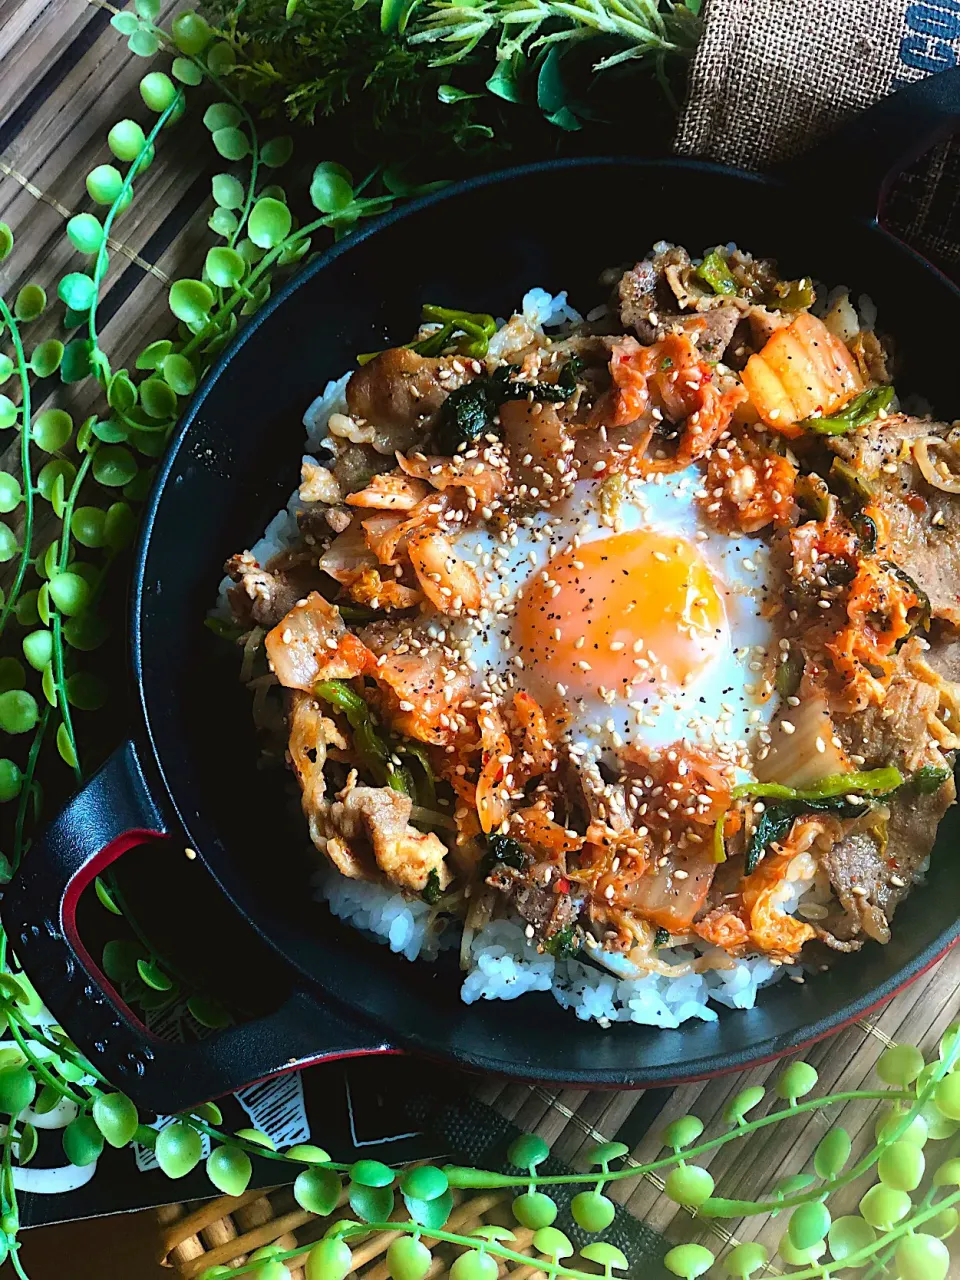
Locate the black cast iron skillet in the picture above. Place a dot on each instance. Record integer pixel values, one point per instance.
(189, 772)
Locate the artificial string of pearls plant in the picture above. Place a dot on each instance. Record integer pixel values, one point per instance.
(41, 1072)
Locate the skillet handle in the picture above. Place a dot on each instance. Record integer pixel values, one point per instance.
(113, 813)
(857, 163)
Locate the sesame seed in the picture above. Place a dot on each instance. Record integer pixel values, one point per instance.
(787, 726)
(681, 874)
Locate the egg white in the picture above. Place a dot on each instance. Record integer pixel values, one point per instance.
(725, 705)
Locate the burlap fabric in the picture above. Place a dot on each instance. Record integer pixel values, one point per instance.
(770, 77)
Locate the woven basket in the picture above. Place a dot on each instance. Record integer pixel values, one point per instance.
(225, 1231)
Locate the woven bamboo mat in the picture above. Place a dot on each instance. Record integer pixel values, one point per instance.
(66, 77)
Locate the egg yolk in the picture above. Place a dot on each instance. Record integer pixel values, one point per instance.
(623, 610)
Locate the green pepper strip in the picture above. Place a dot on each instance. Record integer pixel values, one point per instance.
(719, 848)
(861, 410)
(836, 784)
(713, 270)
(370, 747)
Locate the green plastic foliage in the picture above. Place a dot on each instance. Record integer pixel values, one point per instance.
(8, 412)
(744, 1101)
(178, 1149)
(231, 143)
(6, 240)
(257, 1137)
(270, 222)
(329, 1260)
(11, 780)
(38, 648)
(224, 267)
(408, 1259)
(190, 301)
(474, 1265)
(832, 1153)
(157, 91)
(601, 1155)
(275, 153)
(744, 1259)
(682, 1132)
(553, 1243)
(186, 72)
(17, 1090)
(796, 1081)
(116, 1118)
(222, 115)
(87, 526)
(158, 399)
(6, 367)
(104, 184)
(688, 1260)
(430, 1213)
(527, 1151)
(883, 1207)
(114, 466)
(331, 189)
(318, 1190)
(82, 1141)
(190, 32)
(901, 1166)
(69, 592)
(30, 303)
(86, 233)
(371, 1173)
(52, 429)
(372, 1204)
(689, 1184)
(308, 1154)
(900, 1065)
(948, 1096)
(534, 1209)
(75, 364)
(848, 1235)
(153, 354)
(179, 374)
(19, 713)
(922, 1257)
(592, 1211)
(230, 1170)
(228, 192)
(126, 140)
(8, 543)
(424, 1182)
(45, 358)
(808, 1224)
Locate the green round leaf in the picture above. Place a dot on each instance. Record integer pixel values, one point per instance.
(473, 1265)
(126, 140)
(209, 1012)
(744, 1259)
(6, 240)
(104, 184)
(371, 1173)
(158, 399)
(308, 1153)
(190, 300)
(231, 143)
(26, 610)
(187, 72)
(82, 1141)
(75, 364)
(849, 1235)
(6, 367)
(689, 1185)
(86, 233)
(425, 1182)
(225, 267)
(65, 743)
(8, 412)
(883, 1207)
(408, 1259)
(744, 1101)
(230, 1170)
(318, 1190)
(87, 526)
(30, 303)
(371, 1204)
(38, 648)
(922, 1257)
(154, 976)
(222, 115)
(69, 592)
(606, 1255)
(331, 1259)
(120, 958)
(832, 1153)
(45, 359)
(143, 43)
(11, 495)
(688, 1260)
(120, 526)
(808, 1224)
(527, 1151)
(157, 91)
(19, 713)
(682, 1132)
(52, 429)
(114, 466)
(8, 543)
(796, 1081)
(87, 691)
(534, 1209)
(11, 780)
(27, 1145)
(125, 22)
(944, 1224)
(552, 1243)
(105, 897)
(228, 192)
(901, 1165)
(275, 153)
(116, 1118)
(330, 191)
(223, 222)
(17, 1089)
(77, 290)
(86, 633)
(258, 1136)
(178, 1149)
(947, 1096)
(430, 1213)
(190, 32)
(153, 354)
(592, 1211)
(604, 1152)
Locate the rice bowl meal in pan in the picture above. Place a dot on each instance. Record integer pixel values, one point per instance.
(618, 652)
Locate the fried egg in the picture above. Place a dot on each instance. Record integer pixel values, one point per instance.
(648, 627)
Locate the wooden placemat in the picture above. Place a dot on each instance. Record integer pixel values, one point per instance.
(67, 77)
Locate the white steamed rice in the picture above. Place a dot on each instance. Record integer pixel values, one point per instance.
(504, 963)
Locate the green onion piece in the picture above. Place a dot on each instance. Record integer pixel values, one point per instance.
(425, 788)
(432, 891)
(564, 943)
(792, 295)
(870, 782)
(369, 746)
(713, 270)
(225, 630)
(661, 937)
(719, 848)
(861, 410)
(929, 779)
